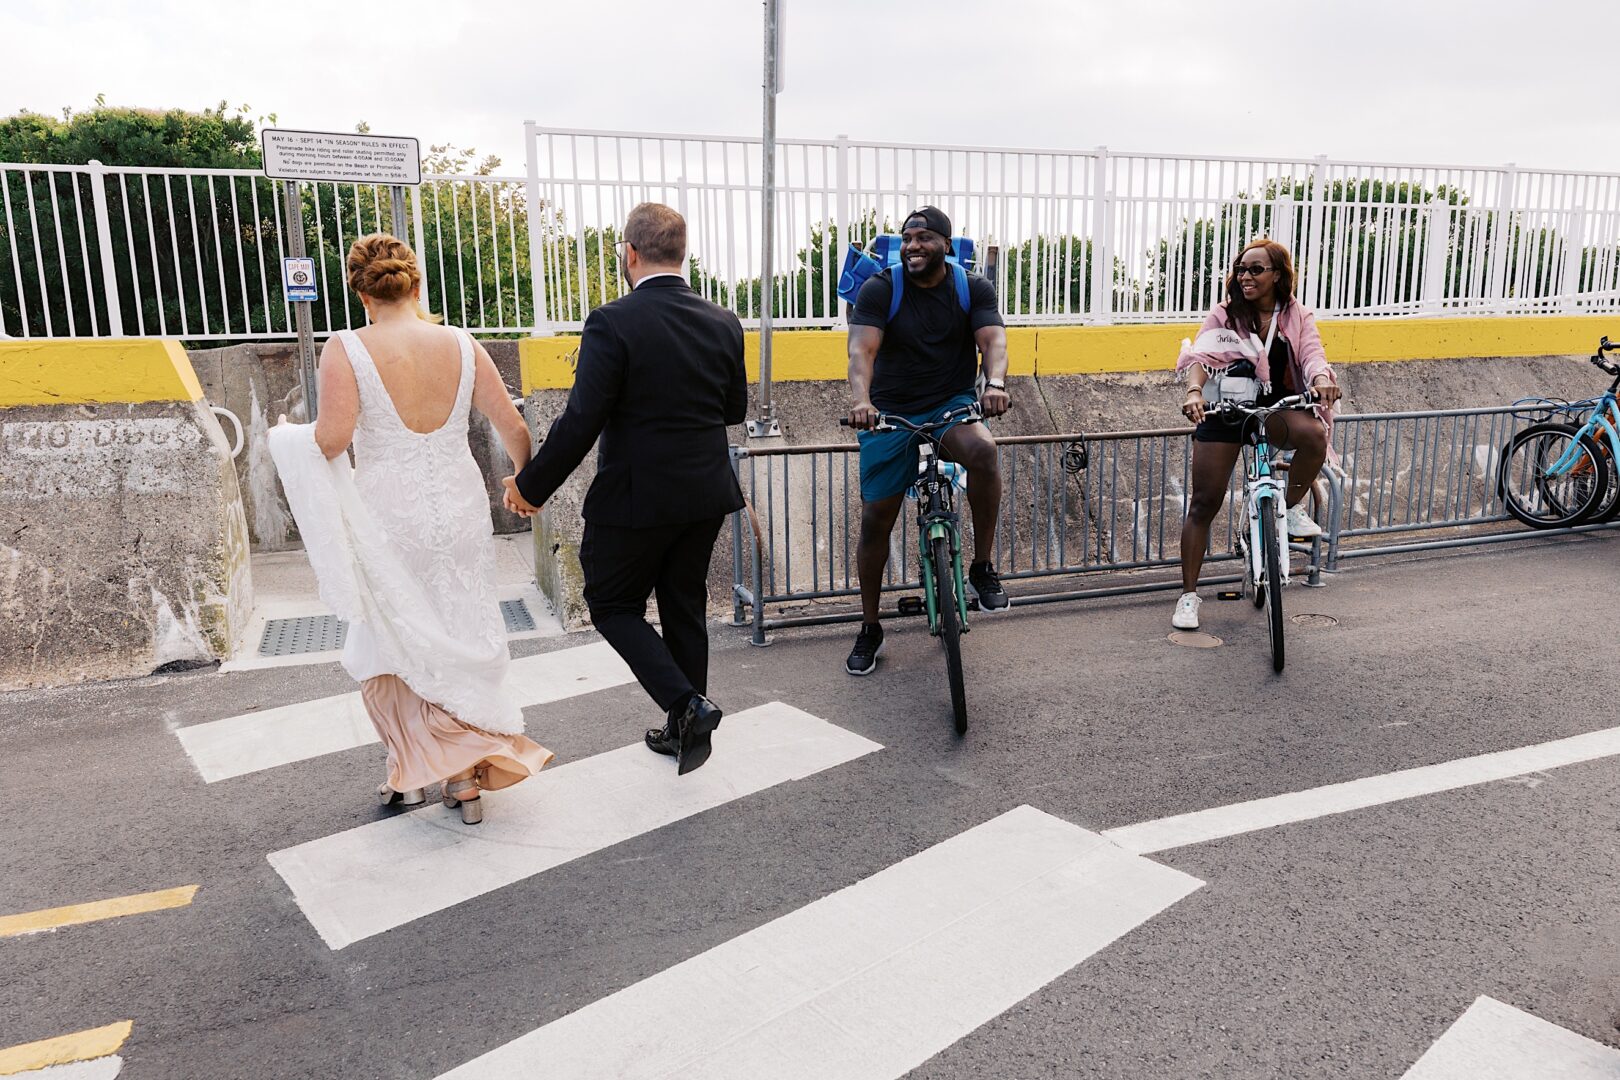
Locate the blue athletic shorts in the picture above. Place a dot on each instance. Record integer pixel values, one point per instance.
(889, 458)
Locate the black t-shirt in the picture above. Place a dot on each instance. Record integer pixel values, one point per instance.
(928, 355)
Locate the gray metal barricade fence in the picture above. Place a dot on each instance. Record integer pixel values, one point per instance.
(1398, 474)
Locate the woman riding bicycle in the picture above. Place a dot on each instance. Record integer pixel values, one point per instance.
(1261, 334)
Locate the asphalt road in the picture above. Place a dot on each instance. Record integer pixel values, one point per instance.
(1343, 945)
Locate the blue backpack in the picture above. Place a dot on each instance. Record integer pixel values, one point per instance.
(885, 255)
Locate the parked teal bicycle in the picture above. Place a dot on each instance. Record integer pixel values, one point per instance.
(1562, 472)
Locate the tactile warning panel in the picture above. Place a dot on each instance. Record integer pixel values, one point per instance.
(324, 633)
(517, 617)
(306, 634)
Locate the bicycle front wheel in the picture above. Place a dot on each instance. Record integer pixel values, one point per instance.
(1535, 496)
(950, 627)
(1275, 552)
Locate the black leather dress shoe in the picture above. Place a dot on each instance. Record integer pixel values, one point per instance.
(665, 740)
(702, 717)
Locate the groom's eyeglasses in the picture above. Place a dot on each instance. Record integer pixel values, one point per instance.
(617, 254)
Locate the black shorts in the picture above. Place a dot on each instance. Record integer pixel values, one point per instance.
(1210, 429)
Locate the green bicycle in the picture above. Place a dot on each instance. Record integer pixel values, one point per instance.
(939, 542)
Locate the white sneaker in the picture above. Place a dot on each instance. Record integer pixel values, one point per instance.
(1186, 616)
(1300, 525)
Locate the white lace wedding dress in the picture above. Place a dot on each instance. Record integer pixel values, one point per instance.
(402, 549)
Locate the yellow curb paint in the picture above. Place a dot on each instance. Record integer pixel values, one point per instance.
(79, 371)
(822, 355)
(51, 918)
(1092, 350)
(65, 1049)
(547, 363)
(796, 356)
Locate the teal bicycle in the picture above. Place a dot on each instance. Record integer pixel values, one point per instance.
(1562, 472)
(1263, 539)
(939, 542)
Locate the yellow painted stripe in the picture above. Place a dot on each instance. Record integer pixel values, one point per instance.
(51, 918)
(821, 355)
(65, 1049)
(85, 372)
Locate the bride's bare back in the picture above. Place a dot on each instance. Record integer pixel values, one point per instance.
(420, 366)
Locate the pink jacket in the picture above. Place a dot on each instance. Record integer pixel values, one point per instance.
(1298, 325)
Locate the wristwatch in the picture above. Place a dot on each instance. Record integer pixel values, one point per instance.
(996, 384)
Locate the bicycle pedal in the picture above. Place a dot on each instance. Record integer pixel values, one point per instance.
(973, 603)
(910, 605)
(1229, 594)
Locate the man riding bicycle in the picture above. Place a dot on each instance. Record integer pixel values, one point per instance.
(920, 365)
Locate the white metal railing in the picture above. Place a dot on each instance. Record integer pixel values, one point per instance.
(1085, 236)
(196, 253)
(1067, 236)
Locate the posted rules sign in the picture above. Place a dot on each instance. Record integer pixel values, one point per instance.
(340, 157)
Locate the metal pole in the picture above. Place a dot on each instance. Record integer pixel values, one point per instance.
(766, 425)
(292, 196)
(537, 252)
(109, 269)
(396, 198)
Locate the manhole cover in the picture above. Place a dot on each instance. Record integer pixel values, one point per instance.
(1193, 639)
(1319, 621)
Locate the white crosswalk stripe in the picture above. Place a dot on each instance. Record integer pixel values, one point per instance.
(1493, 1041)
(106, 1068)
(251, 742)
(367, 880)
(871, 981)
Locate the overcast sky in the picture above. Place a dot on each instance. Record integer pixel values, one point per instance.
(1486, 82)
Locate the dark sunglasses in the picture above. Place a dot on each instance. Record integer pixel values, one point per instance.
(1253, 269)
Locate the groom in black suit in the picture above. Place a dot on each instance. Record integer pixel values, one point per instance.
(660, 376)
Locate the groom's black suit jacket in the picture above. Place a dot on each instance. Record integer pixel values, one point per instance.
(660, 376)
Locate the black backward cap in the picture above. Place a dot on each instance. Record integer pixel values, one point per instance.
(934, 220)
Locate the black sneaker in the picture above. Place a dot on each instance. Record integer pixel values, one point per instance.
(868, 643)
(986, 584)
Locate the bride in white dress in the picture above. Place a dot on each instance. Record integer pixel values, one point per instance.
(402, 544)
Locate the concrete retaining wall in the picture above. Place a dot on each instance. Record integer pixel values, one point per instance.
(123, 544)
(1066, 379)
(260, 382)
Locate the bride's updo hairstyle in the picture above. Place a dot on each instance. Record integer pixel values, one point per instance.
(384, 268)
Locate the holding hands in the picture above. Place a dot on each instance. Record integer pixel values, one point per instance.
(514, 501)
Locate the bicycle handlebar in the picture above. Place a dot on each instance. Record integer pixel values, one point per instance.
(966, 414)
(1297, 401)
(1597, 360)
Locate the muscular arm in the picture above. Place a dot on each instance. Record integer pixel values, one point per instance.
(863, 347)
(992, 342)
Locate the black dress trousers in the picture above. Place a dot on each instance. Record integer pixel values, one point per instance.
(624, 566)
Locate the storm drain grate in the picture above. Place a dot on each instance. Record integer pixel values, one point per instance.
(517, 617)
(323, 633)
(307, 634)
